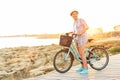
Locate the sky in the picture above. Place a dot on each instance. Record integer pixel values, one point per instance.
(53, 16)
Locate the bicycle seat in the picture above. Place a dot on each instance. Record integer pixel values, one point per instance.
(90, 40)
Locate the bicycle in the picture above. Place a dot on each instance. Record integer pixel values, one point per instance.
(97, 57)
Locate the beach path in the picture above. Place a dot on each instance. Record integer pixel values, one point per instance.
(111, 72)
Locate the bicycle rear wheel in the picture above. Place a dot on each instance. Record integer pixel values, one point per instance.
(62, 63)
(99, 58)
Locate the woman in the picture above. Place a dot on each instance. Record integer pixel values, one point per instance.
(80, 28)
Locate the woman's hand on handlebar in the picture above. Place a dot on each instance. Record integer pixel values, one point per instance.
(74, 35)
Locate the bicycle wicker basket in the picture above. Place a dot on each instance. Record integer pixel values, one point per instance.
(65, 40)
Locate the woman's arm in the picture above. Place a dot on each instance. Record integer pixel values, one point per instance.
(85, 28)
(83, 31)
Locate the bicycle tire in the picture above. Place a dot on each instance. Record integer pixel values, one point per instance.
(58, 65)
(103, 56)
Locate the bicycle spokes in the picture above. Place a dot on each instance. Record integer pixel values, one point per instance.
(98, 58)
(62, 61)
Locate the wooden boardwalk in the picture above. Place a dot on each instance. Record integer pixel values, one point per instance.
(111, 72)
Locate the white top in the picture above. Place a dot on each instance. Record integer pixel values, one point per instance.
(77, 22)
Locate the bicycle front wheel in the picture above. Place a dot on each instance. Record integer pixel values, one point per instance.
(62, 62)
(99, 58)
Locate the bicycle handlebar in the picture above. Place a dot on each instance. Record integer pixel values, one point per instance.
(73, 35)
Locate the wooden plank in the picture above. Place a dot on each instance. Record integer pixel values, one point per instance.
(111, 72)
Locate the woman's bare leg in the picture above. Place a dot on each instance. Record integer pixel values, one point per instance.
(81, 50)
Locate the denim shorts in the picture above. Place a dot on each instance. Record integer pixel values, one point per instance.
(81, 40)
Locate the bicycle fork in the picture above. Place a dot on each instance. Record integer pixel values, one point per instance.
(68, 53)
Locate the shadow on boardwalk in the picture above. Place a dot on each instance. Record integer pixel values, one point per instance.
(111, 72)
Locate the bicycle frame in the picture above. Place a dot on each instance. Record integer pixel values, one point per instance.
(77, 56)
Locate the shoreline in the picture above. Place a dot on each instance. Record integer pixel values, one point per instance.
(39, 36)
(9, 42)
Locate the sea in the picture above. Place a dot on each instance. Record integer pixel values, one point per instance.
(7, 42)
